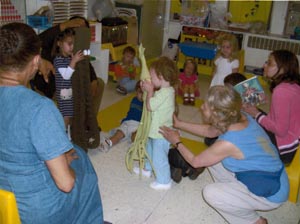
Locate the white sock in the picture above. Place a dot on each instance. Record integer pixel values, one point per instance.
(108, 142)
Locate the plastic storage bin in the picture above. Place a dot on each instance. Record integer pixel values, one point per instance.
(199, 50)
(40, 22)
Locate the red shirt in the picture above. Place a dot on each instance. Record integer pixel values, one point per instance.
(122, 71)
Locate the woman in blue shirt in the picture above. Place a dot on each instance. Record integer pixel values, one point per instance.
(53, 180)
(244, 164)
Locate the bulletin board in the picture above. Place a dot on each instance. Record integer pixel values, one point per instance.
(250, 11)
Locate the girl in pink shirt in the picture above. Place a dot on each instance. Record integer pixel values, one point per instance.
(282, 69)
(188, 86)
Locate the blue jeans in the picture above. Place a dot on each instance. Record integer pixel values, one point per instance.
(158, 150)
(128, 84)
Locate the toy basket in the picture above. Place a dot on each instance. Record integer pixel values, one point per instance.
(39, 21)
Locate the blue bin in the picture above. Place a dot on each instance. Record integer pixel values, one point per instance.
(38, 21)
(198, 49)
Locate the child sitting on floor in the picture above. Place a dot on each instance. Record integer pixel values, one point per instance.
(125, 72)
(129, 124)
(188, 82)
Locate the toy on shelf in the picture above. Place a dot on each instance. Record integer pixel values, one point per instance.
(201, 45)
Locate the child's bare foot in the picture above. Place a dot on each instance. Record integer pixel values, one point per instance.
(262, 220)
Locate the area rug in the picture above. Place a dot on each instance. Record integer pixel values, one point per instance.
(111, 117)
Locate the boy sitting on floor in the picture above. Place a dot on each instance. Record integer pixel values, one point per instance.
(125, 72)
(129, 124)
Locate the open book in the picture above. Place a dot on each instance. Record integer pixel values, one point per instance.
(251, 91)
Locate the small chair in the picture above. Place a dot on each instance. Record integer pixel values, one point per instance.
(8, 208)
(293, 172)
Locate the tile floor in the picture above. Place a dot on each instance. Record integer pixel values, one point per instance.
(128, 199)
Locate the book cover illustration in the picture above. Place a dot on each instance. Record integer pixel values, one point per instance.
(251, 91)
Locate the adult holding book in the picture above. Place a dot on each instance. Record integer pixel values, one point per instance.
(240, 161)
(282, 70)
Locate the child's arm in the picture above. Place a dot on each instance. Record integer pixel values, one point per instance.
(196, 83)
(235, 66)
(132, 71)
(78, 56)
(119, 71)
(149, 88)
(214, 69)
(66, 73)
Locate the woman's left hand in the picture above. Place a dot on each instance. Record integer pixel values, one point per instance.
(45, 67)
(170, 134)
(71, 155)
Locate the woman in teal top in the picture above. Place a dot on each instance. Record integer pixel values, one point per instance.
(245, 165)
(53, 181)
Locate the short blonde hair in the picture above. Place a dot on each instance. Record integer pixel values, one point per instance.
(225, 104)
(231, 38)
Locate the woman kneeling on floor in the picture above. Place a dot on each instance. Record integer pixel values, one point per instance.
(245, 165)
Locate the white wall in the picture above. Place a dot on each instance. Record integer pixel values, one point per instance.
(279, 11)
(33, 5)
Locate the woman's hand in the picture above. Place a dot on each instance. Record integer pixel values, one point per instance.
(250, 109)
(170, 134)
(71, 155)
(61, 171)
(176, 121)
(45, 67)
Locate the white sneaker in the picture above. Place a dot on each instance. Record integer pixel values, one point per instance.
(158, 186)
(145, 173)
(105, 145)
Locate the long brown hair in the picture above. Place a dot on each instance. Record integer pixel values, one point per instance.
(288, 68)
(69, 32)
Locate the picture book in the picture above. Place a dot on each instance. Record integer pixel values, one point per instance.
(251, 91)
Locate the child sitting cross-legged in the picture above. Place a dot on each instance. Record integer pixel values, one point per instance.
(125, 71)
(129, 125)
